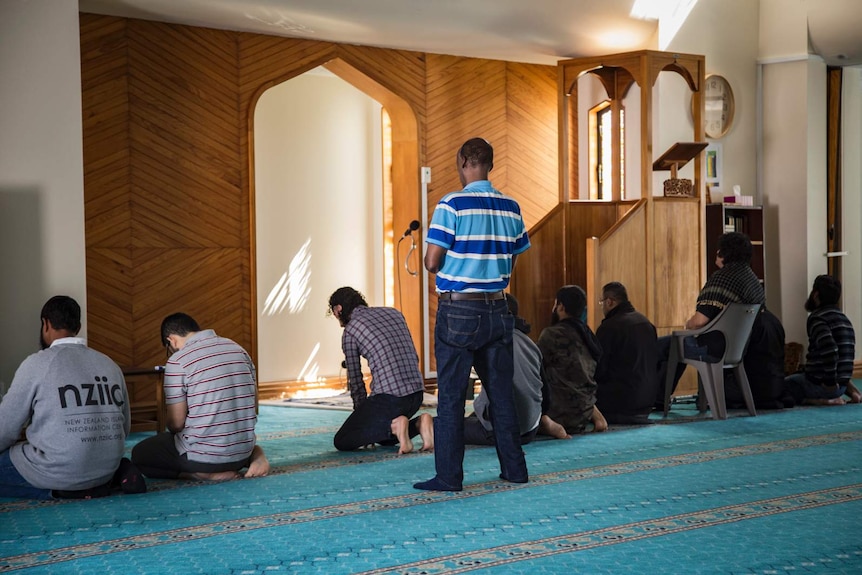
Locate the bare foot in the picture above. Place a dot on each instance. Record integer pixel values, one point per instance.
(599, 422)
(548, 426)
(399, 429)
(853, 393)
(834, 401)
(220, 476)
(426, 431)
(259, 464)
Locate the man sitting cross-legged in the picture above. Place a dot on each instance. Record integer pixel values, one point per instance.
(210, 395)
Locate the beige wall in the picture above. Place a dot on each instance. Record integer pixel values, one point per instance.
(851, 171)
(318, 201)
(41, 173)
(726, 33)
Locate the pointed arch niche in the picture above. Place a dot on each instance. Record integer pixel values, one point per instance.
(331, 217)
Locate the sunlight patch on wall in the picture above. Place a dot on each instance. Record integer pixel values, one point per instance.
(671, 15)
(292, 290)
(311, 369)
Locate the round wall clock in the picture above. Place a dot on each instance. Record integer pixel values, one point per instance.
(718, 106)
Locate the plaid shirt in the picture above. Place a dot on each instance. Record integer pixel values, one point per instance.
(734, 283)
(381, 336)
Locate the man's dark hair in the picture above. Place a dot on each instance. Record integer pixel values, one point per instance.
(734, 247)
(180, 324)
(828, 289)
(349, 299)
(616, 291)
(574, 300)
(62, 312)
(477, 151)
(520, 323)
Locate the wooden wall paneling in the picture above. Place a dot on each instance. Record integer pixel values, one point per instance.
(531, 137)
(621, 256)
(185, 137)
(109, 305)
(541, 271)
(206, 283)
(584, 220)
(107, 191)
(677, 257)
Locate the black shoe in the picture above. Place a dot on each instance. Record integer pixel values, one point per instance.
(92, 493)
(129, 478)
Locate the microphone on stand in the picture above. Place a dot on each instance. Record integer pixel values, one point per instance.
(414, 225)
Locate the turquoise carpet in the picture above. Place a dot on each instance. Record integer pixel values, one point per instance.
(780, 493)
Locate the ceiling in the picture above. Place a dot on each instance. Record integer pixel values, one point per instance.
(534, 31)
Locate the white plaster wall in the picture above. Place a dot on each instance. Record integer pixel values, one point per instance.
(783, 31)
(41, 170)
(793, 188)
(726, 33)
(851, 171)
(318, 206)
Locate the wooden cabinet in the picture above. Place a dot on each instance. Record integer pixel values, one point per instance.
(721, 218)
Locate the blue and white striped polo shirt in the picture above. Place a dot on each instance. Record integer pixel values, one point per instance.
(481, 229)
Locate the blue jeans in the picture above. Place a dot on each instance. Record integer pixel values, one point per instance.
(801, 388)
(13, 485)
(475, 334)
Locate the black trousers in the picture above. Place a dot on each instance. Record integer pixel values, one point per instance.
(371, 421)
(476, 434)
(157, 457)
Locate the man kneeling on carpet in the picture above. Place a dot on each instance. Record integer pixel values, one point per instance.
(71, 405)
(381, 336)
(532, 394)
(210, 395)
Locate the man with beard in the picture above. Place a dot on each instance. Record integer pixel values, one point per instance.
(831, 349)
(532, 394)
(381, 336)
(570, 352)
(210, 390)
(72, 404)
(625, 375)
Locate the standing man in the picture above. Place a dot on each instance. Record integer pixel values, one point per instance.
(626, 375)
(831, 349)
(570, 352)
(210, 391)
(72, 406)
(381, 336)
(473, 240)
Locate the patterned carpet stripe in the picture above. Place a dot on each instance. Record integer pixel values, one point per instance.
(336, 460)
(404, 501)
(508, 554)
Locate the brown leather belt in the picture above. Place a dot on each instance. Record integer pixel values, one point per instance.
(471, 296)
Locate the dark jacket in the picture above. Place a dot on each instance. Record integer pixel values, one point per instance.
(569, 352)
(626, 373)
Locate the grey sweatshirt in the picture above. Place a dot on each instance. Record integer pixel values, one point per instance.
(76, 402)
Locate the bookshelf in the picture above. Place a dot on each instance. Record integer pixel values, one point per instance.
(721, 218)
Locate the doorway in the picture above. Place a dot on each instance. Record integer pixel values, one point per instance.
(330, 195)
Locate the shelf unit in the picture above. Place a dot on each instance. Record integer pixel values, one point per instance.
(721, 218)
